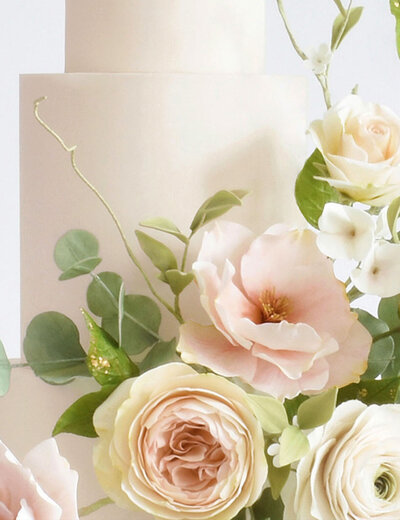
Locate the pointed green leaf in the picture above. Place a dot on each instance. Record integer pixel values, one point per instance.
(140, 326)
(165, 226)
(121, 312)
(292, 405)
(78, 418)
(312, 194)
(177, 280)
(293, 445)
(266, 508)
(216, 206)
(161, 256)
(269, 411)
(160, 354)
(108, 364)
(53, 350)
(5, 371)
(317, 410)
(277, 477)
(395, 10)
(103, 294)
(381, 391)
(76, 253)
(353, 19)
(393, 214)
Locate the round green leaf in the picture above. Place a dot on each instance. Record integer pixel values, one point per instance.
(103, 294)
(53, 350)
(160, 354)
(5, 371)
(76, 253)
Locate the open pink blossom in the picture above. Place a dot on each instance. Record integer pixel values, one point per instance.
(281, 320)
(42, 488)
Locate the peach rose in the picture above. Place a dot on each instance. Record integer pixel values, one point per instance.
(180, 445)
(361, 146)
(42, 488)
(281, 320)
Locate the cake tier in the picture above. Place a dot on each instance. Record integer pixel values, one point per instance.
(149, 155)
(165, 36)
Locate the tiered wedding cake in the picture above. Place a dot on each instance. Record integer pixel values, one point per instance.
(168, 104)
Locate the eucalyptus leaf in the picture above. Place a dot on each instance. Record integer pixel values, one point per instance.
(103, 294)
(53, 350)
(277, 477)
(317, 410)
(216, 206)
(108, 364)
(5, 371)
(160, 255)
(393, 213)
(266, 508)
(381, 391)
(76, 253)
(78, 418)
(293, 445)
(177, 280)
(312, 194)
(121, 311)
(388, 311)
(353, 19)
(395, 10)
(140, 325)
(269, 411)
(165, 226)
(160, 354)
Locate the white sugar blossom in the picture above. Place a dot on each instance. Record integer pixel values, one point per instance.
(345, 232)
(379, 274)
(382, 226)
(319, 58)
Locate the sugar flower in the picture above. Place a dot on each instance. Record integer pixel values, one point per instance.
(319, 58)
(281, 320)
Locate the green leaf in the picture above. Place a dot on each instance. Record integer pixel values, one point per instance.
(177, 280)
(266, 508)
(78, 418)
(241, 515)
(142, 319)
(381, 391)
(312, 194)
(388, 311)
(108, 364)
(292, 405)
(103, 294)
(293, 445)
(121, 312)
(5, 371)
(392, 217)
(165, 226)
(277, 477)
(160, 354)
(354, 18)
(270, 412)
(216, 206)
(395, 10)
(381, 353)
(317, 410)
(76, 253)
(161, 256)
(53, 350)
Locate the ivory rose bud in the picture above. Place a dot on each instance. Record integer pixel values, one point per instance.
(281, 319)
(180, 445)
(352, 469)
(42, 488)
(360, 143)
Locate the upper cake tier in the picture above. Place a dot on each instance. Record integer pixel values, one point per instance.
(198, 36)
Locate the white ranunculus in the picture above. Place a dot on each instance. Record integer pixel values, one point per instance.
(352, 470)
(379, 274)
(345, 232)
(360, 143)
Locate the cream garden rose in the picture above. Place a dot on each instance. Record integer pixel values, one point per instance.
(352, 469)
(43, 487)
(360, 143)
(180, 445)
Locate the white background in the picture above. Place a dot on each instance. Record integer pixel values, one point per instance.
(32, 40)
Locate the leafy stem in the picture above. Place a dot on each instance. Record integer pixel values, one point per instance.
(72, 151)
(386, 334)
(84, 511)
(296, 47)
(340, 7)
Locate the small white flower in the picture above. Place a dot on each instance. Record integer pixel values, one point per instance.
(382, 226)
(345, 232)
(319, 58)
(273, 451)
(379, 274)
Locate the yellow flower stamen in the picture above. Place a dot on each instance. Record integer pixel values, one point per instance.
(274, 308)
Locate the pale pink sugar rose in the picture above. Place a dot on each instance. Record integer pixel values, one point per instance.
(180, 445)
(281, 320)
(43, 487)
